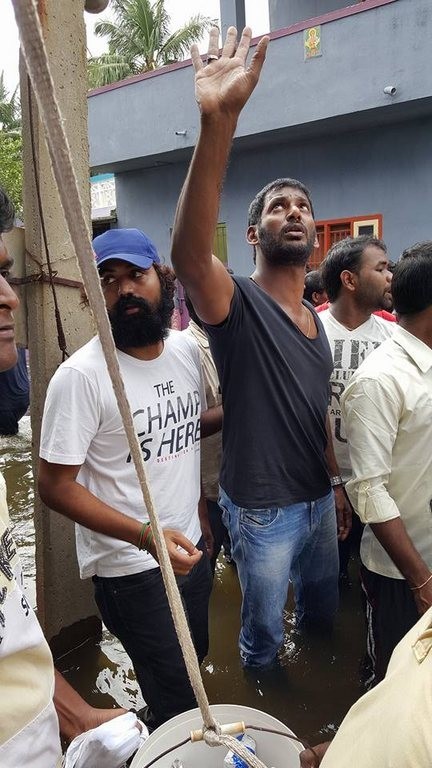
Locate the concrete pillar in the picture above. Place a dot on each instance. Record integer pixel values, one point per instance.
(283, 13)
(232, 14)
(65, 604)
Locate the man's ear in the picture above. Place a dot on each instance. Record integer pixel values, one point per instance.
(348, 280)
(251, 234)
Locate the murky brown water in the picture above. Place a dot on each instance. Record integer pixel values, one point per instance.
(319, 676)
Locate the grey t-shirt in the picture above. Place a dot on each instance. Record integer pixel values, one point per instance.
(275, 390)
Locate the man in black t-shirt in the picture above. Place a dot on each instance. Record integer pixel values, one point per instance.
(274, 364)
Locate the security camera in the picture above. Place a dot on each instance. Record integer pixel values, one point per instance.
(390, 90)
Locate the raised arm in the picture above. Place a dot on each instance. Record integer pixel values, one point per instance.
(222, 88)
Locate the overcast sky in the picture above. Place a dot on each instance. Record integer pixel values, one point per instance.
(256, 17)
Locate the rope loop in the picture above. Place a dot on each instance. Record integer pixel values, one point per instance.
(212, 734)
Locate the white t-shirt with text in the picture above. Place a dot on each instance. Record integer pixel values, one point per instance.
(82, 426)
(349, 349)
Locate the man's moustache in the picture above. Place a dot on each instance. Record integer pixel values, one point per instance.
(122, 306)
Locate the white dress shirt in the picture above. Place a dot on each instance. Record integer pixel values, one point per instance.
(387, 408)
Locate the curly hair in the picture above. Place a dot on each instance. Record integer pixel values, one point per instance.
(167, 278)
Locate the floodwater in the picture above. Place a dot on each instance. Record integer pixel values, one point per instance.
(319, 677)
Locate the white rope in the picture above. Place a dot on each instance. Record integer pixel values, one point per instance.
(235, 746)
(36, 59)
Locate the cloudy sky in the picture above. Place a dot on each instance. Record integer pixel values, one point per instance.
(256, 17)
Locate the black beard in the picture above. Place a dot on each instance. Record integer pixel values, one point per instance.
(144, 328)
(279, 251)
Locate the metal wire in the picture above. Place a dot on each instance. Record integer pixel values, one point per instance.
(247, 727)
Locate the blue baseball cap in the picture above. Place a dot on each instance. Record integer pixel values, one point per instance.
(129, 245)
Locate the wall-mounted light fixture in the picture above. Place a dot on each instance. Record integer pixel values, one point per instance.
(390, 90)
(180, 133)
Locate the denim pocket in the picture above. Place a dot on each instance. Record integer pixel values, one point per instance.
(258, 518)
(224, 503)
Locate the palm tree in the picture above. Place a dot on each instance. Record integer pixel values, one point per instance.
(139, 40)
(10, 113)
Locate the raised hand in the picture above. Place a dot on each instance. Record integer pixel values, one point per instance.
(225, 83)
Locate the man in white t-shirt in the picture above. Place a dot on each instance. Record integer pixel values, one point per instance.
(357, 280)
(86, 472)
(35, 699)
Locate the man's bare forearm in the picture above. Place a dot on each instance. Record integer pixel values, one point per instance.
(72, 710)
(70, 498)
(198, 206)
(211, 421)
(76, 715)
(59, 489)
(393, 536)
(222, 88)
(330, 456)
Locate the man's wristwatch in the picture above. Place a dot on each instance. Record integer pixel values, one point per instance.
(336, 480)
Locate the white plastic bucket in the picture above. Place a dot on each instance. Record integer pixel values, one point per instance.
(274, 750)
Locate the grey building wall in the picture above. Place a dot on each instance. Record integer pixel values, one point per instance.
(282, 13)
(326, 121)
(135, 124)
(384, 170)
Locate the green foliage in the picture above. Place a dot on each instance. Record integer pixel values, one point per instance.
(139, 40)
(11, 168)
(10, 111)
(11, 146)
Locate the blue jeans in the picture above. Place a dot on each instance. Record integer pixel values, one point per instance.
(271, 547)
(220, 533)
(135, 609)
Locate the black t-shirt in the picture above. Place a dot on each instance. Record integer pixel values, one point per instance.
(275, 388)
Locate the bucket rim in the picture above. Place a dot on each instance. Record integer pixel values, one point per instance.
(188, 719)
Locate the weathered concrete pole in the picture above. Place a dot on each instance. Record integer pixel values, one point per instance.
(65, 605)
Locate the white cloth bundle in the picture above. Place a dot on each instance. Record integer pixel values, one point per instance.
(109, 745)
